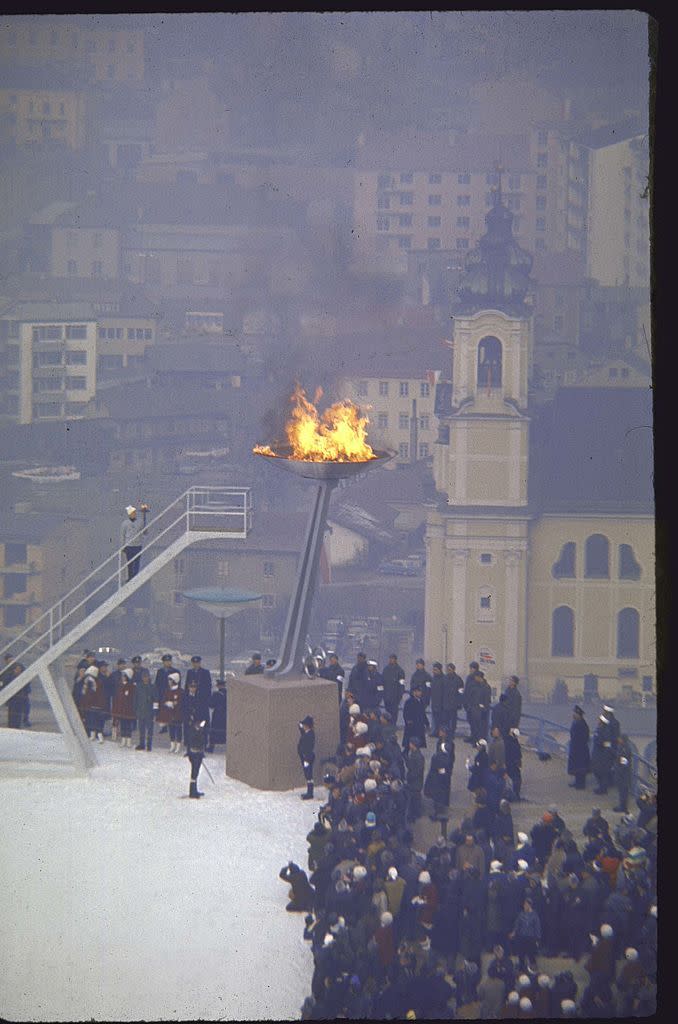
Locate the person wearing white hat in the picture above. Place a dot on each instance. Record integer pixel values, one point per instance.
(568, 1007)
(170, 712)
(94, 702)
(514, 760)
(131, 540)
(602, 755)
(122, 707)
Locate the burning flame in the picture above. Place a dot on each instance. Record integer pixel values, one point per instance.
(337, 435)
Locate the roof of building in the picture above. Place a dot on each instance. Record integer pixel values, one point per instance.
(50, 312)
(224, 357)
(146, 400)
(592, 450)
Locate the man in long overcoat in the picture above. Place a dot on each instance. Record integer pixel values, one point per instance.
(579, 757)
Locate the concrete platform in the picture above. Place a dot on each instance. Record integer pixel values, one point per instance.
(263, 728)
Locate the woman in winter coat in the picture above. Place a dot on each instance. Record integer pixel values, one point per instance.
(438, 780)
(122, 707)
(526, 936)
(479, 768)
(579, 756)
(170, 712)
(94, 702)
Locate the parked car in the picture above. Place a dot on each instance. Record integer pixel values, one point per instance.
(398, 567)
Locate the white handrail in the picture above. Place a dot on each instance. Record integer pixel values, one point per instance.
(196, 502)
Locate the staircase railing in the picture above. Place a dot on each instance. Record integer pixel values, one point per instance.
(199, 510)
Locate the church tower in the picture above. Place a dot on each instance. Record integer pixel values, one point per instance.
(477, 536)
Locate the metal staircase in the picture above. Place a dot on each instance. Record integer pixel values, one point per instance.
(200, 513)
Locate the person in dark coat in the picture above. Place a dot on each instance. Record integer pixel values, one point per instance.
(526, 936)
(543, 836)
(112, 682)
(438, 780)
(456, 685)
(472, 915)
(514, 761)
(333, 671)
(94, 700)
(421, 678)
(579, 757)
(145, 706)
(217, 704)
(602, 755)
(193, 702)
(373, 689)
(161, 676)
(203, 677)
(623, 773)
(484, 692)
(306, 752)
(500, 715)
(472, 701)
(170, 711)
(195, 738)
(357, 680)
(414, 778)
(301, 892)
(393, 675)
(514, 702)
(415, 718)
(442, 698)
(255, 668)
(480, 768)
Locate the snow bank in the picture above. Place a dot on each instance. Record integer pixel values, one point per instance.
(123, 902)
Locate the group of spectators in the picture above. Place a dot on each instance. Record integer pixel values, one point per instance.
(133, 700)
(461, 929)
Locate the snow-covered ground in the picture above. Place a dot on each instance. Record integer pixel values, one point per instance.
(122, 901)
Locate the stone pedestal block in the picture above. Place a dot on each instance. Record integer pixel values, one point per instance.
(263, 728)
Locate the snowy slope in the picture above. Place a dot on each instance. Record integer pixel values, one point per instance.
(123, 902)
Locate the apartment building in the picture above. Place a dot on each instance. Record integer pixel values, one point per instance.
(32, 116)
(433, 192)
(108, 52)
(49, 363)
(123, 341)
(618, 249)
(400, 408)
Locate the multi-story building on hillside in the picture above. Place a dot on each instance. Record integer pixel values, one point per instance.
(101, 52)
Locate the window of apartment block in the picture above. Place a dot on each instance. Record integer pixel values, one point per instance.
(612, 373)
(491, 179)
(139, 334)
(435, 200)
(382, 420)
(76, 332)
(76, 383)
(541, 224)
(424, 423)
(624, 372)
(541, 202)
(433, 222)
(486, 558)
(269, 569)
(268, 601)
(404, 388)
(406, 198)
(463, 222)
(383, 388)
(16, 554)
(384, 202)
(384, 181)
(542, 160)
(542, 137)
(403, 421)
(514, 181)
(404, 450)
(433, 243)
(111, 45)
(463, 200)
(464, 178)
(72, 267)
(383, 224)
(405, 241)
(148, 333)
(557, 323)
(462, 243)
(406, 179)
(540, 244)
(97, 268)
(405, 220)
(435, 179)
(424, 389)
(361, 388)
(46, 109)
(76, 358)
(489, 199)
(423, 450)
(513, 202)
(541, 181)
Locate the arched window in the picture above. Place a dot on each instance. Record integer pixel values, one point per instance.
(628, 633)
(489, 363)
(562, 632)
(629, 569)
(564, 568)
(597, 557)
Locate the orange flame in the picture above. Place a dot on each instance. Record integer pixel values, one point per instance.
(339, 434)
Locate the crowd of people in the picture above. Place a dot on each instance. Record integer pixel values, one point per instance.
(460, 930)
